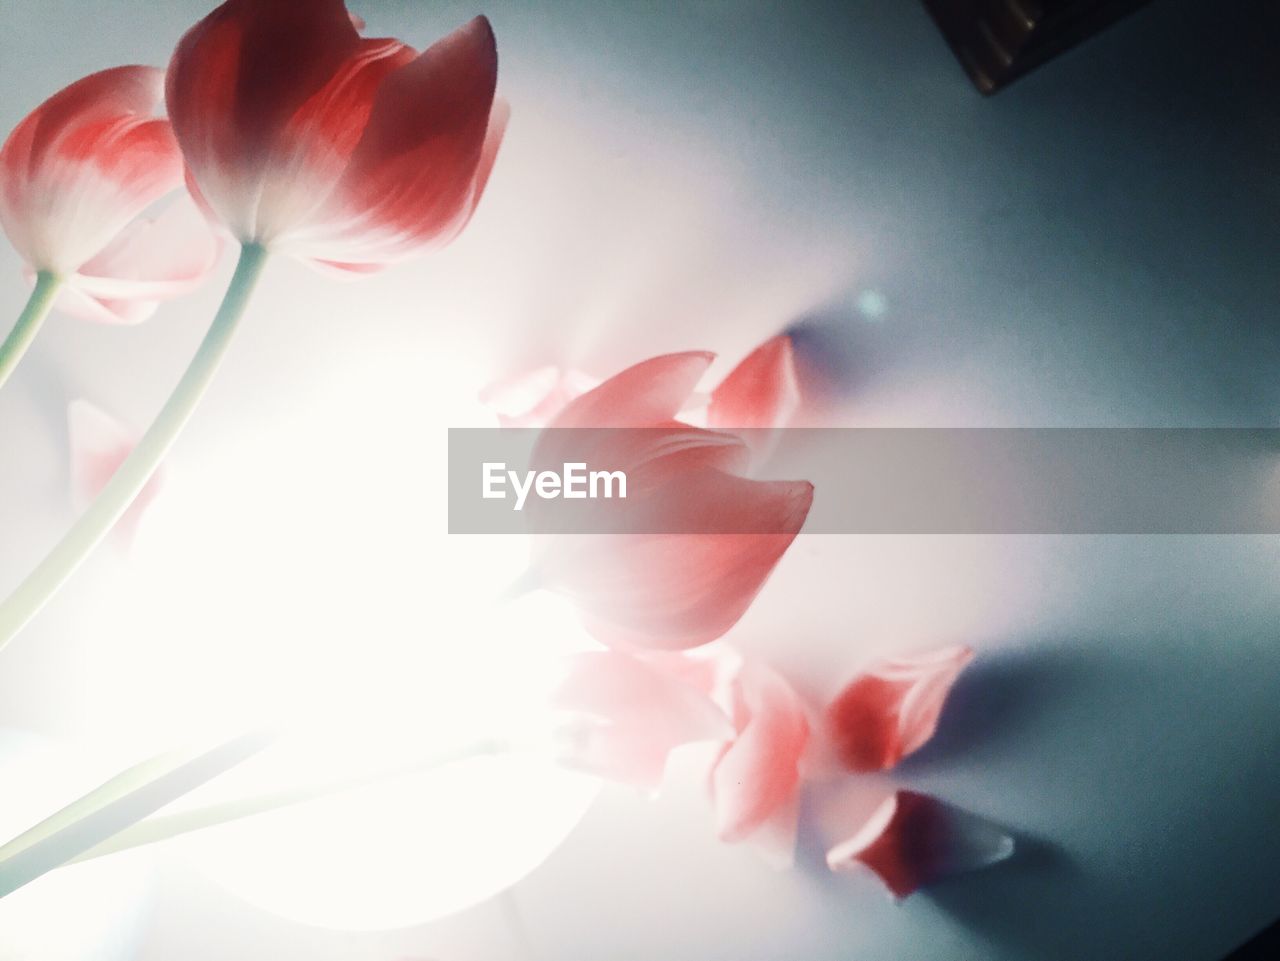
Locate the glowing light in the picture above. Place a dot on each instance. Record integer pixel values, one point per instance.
(297, 573)
(872, 304)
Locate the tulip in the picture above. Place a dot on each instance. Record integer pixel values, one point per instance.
(913, 840)
(892, 708)
(302, 138)
(351, 153)
(75, 177)
(678, 562)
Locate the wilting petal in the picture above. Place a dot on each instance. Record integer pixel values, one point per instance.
(760, 395)
(99, 445)
(913, 840)
(152, 259)
(626, 717)
(756, 779)
(88, 160)
(892, 709)
(536, 397)
(232, 95)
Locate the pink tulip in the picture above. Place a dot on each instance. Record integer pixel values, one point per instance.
(75, 177)
(913, 840)
(99, 445)
(625, 717)
(303, 137)
(678, 562)
(891, 709)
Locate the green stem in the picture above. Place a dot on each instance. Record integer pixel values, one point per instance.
(94, 524)
(116, 805)
(29, 322)
(168, 826)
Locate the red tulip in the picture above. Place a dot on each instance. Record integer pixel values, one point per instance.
(892, 709)
(626, 716)
(913, 840)
(303, 137)
(75, 176)
(678, 562)
(756, 780)
(99, 445)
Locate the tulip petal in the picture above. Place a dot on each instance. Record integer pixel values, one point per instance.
(644, 395)
(914, 840)
(757, 777)
(412, 180)
(152, 259)
(759, 395)
(679, 591)
(892, 709)
(232, 95)
(499, 118)
(629, 716)
(88, 160)
(775, 839)
(534, 398)
(677, 563)
(314, 148)
(99, 445)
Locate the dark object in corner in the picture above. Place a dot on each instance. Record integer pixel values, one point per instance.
(1264, 946)
(999, 40)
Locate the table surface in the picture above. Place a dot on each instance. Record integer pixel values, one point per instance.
(1095, 246)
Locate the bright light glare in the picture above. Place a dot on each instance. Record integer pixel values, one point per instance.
(296, 572)
(88, 912)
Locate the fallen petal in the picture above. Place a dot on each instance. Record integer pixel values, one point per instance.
(892, 709)
(757, 778)
(913, 840)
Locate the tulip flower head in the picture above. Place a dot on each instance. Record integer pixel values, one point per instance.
(678, 563)
(77, 175)
(350, 153)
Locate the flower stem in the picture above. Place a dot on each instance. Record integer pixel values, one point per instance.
(168, 826)
(29, 322)
(94, 524)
